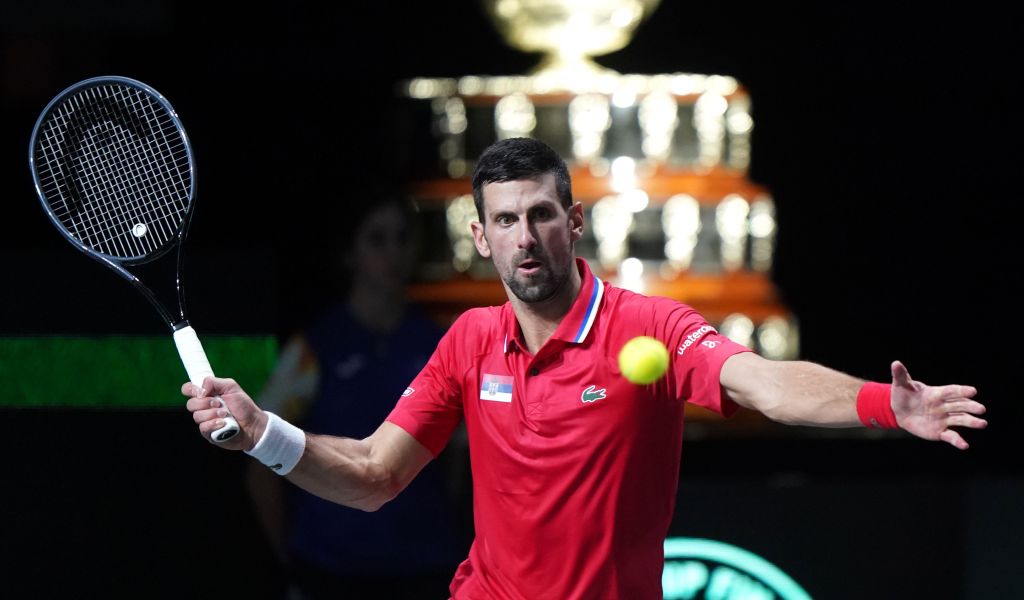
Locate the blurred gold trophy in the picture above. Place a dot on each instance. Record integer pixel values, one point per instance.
(569, 32)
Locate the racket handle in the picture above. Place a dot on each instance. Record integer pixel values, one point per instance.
(198, 367)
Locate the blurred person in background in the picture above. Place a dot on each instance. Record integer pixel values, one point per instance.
(341, 376)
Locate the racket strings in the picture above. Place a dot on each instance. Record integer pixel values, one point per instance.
(124, 181)
(115, 170)
(89, 221)
(160, 150)
(101, 170)
(122, 158)
(95, 179)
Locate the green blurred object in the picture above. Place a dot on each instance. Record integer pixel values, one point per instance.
(120, 371)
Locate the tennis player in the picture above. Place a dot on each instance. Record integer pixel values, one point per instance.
(558, 438)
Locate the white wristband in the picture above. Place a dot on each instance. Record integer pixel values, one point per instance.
(281, 445)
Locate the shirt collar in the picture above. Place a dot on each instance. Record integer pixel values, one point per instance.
(576, 323)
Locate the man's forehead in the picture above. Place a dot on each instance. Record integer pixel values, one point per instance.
(520, 192)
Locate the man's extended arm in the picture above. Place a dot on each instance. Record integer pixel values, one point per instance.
(803, 393)
(362, 474)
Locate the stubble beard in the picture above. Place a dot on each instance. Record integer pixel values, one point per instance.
(540, 287)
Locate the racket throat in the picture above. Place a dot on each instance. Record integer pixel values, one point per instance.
(174, 321)
(180, 325)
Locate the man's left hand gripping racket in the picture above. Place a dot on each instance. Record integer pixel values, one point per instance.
(115, 173)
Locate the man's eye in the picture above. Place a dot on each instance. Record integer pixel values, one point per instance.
(503, 220)
(541, 215)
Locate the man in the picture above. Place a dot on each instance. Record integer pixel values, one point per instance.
(557, 436)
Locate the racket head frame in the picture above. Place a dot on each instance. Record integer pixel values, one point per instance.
(44, 117)
(117, 263)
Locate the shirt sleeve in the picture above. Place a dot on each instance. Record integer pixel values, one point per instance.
(696, 355)
(431, 407)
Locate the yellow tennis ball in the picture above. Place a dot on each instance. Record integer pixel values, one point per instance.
(643, 360)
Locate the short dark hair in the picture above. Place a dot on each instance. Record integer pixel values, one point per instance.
(514, 159)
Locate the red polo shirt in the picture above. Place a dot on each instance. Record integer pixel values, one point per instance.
(575, 469)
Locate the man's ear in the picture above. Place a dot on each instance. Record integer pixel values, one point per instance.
(479, 239)
(576, 222)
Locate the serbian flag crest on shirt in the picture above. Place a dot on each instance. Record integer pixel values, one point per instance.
(497, 388)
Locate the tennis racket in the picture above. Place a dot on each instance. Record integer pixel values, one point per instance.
(114, 170)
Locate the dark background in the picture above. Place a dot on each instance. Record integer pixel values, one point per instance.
(888, 137)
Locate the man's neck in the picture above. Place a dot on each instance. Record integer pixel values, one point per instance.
(540, 320)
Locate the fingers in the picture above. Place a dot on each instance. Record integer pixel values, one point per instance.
(209, 414)
(205, 402)
(962, 419)
(900, 375)
(208, 427)
(965, 420)
(953, 392)
(964, 406)
(206, 414)
(953, 438)
(209, 405)
(217, 386)
(212, 386)
(195, 391)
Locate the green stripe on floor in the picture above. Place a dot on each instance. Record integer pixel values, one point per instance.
(120, 371)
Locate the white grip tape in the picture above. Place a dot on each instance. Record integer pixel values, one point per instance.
(198, 368)
(281, 445)
(192, 355)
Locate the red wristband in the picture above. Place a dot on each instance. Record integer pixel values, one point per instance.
(874, 406)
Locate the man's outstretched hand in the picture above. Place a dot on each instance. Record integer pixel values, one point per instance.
(929, 412)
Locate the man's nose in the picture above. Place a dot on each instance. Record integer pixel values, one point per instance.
(525, 237)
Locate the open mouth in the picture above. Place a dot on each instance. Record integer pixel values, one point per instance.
(529, 267)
